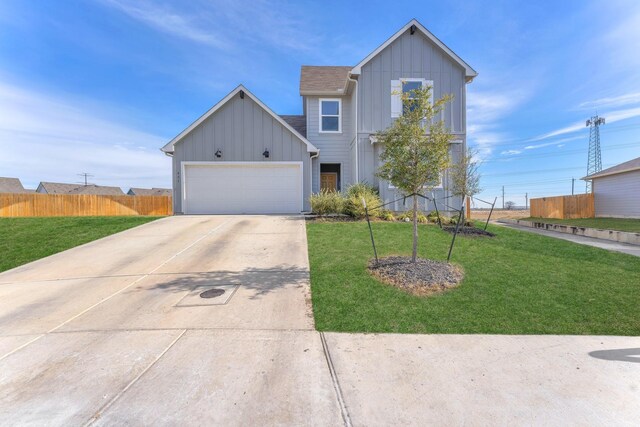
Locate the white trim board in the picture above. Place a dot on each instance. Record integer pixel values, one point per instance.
(470, 73)
(169, 147)
(339, 101)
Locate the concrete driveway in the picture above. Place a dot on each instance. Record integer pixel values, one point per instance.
(114, 332)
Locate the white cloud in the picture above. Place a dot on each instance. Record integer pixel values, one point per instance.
(611, 102)
(610, 117)
(258, 23)
(47, 138)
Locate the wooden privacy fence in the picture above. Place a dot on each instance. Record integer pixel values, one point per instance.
(563, 207)
(34, 204)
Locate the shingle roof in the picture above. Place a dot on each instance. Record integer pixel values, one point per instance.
(61, 188)
(149, 191)
(324, 80)
(299, 123)
(11, 185)
(629, 166)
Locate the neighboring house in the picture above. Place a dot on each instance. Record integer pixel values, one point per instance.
(61, 188)
(149, 192)
(616, 189)
(12, 185)
(241, 157)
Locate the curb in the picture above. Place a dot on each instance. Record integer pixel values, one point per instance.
(612, 235)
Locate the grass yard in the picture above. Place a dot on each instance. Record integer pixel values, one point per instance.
(515, 283)
(23, 240)
(620, 224)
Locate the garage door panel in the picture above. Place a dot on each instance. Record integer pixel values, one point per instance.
(243, 187)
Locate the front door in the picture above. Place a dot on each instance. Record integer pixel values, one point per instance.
(329, 181)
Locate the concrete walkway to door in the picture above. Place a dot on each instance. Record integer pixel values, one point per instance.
(115, 332)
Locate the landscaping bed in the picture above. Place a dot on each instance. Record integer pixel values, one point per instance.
(23, 240)
(423, 277)
(514, 283)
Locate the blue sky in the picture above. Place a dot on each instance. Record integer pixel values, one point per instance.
(99, 85)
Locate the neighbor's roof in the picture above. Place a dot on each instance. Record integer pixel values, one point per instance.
(299, 123)
(470, 73)
(169, 147)
(11, 185)
(324, 80)
(149, 191)
(629, 166)
(62, 188)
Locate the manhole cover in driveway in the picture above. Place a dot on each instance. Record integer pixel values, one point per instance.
(212, 293)
(208, 295)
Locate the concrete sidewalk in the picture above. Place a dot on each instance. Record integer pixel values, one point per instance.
(114, 332)
(588, 241)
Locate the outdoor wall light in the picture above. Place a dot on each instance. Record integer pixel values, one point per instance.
(266, 154)
(218, 153)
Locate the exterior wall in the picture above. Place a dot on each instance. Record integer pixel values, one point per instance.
(409, 56)
(242, 130)
(617, 195)
(334, 147)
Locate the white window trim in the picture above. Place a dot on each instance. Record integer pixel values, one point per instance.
(402, 80)
(330, 115)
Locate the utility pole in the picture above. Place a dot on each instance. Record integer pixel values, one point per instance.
(594, 162)
(573, 182)
(86, 176)
(526, 201)
(503, 197)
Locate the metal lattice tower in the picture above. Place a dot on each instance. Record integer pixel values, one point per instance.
(594, 163)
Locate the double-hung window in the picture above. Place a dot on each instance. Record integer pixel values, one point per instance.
(406, 86)
(330, 115)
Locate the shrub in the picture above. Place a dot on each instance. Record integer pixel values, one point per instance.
(354, 206)
(387, 216)
(433, 217)
(327, 202)
(408, 216)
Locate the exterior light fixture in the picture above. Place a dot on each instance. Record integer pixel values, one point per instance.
(266, 154)
(241, 94)
(218, 153)
(412, 29)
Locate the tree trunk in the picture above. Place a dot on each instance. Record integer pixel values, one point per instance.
(415, 229)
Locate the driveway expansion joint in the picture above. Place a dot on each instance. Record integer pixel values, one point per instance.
(336, 384)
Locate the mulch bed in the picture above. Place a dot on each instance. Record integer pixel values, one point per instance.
(424, 277)
(468, 231)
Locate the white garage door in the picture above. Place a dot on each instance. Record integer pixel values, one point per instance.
(242, 187)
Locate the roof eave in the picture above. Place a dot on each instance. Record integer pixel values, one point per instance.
(601, 175)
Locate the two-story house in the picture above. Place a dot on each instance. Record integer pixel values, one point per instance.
(241, 157)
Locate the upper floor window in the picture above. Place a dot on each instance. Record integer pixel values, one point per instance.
(331, 115)
(402, 86)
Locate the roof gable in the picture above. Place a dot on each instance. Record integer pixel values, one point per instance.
(169, 147)
(470, 73)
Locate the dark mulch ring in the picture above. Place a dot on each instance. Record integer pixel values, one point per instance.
(469, 231)
(424, 277)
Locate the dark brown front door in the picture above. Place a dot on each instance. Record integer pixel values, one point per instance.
(329, 181)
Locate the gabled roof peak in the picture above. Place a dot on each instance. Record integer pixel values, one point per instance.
(414, 25)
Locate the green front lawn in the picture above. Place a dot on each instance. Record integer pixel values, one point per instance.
(23, 240)
(515, 283)
(620, 224)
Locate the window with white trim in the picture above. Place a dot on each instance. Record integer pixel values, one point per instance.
(330, 115)
(402, 86)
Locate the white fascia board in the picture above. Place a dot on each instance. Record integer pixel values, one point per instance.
(601, 175)
(169, 147)
(470, 73)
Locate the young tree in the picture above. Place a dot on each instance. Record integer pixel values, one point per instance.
(415, 149)
(464, 176)
(510, 205)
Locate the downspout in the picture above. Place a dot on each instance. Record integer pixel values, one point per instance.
(315, 156)
(356, 126)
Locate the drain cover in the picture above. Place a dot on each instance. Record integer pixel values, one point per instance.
(212, 293)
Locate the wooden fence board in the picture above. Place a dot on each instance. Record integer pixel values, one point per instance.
(564, 207)
(34, 204)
